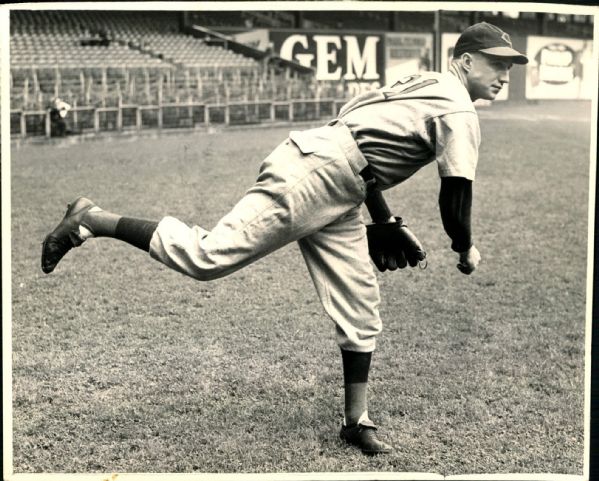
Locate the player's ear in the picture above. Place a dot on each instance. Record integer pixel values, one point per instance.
(467, 61)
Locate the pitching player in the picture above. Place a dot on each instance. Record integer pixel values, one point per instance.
(310, 189)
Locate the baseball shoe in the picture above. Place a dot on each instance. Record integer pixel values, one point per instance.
(363, 436)
(66, 234)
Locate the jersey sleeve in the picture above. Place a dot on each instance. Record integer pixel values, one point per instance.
(457, 139)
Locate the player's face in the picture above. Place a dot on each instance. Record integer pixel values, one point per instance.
(487, 76)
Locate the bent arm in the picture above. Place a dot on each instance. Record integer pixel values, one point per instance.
(378, 208)
(455, 204)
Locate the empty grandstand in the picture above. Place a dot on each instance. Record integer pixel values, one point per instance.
(105, 58)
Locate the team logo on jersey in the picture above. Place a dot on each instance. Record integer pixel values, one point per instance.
(410, 88)
(405, 80)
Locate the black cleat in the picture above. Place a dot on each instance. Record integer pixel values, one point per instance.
(66, 234)
(363, 436)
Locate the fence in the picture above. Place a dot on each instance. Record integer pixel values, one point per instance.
(34, 87)
(169, 116)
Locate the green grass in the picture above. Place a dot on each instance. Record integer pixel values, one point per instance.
(121, 365)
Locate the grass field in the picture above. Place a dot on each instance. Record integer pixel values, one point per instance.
(121, 365)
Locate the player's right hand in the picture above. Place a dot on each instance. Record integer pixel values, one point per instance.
(469, 260)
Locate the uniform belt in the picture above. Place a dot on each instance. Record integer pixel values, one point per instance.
(357, 161)
(348, 145)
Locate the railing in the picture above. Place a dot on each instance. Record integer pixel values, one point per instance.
(169, 116)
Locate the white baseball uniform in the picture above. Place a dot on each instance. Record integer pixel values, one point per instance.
(310, 190)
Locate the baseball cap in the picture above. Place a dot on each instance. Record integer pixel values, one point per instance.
(486, 38)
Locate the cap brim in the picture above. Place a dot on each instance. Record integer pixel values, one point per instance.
(506, 52)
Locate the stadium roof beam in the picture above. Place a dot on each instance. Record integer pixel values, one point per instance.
(255, 53)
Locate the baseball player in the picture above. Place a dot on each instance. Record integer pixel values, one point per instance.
(310, 189)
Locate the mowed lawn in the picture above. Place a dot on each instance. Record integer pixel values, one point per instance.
(121, 365)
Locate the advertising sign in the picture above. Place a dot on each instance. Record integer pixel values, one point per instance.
(406, 54)
(448, 41)
(355, 58)
(559, 68)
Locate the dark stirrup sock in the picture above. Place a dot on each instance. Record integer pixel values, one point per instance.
(137, 232)
(356, 366)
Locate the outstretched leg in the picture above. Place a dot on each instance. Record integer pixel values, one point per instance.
(294, 196)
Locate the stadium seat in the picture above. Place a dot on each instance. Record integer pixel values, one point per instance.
(144, 54)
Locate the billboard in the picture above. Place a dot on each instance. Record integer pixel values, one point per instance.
(559, 68)
(406, 54)
(354, 58)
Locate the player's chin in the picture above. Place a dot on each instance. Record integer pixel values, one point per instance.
(489, 95)
(492, 93)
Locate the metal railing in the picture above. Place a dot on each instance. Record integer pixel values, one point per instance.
(89, 119)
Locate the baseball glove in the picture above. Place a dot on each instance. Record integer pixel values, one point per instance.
(393, 245)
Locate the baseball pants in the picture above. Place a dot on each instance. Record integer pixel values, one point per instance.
(308, 190)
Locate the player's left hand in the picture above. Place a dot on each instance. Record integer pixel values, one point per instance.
(392, 245)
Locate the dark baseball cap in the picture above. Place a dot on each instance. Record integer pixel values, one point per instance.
(489, 39)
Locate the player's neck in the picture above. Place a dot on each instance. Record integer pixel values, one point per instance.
(459, 73)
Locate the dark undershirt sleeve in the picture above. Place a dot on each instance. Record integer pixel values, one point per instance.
(377, 207)
(455, 204)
